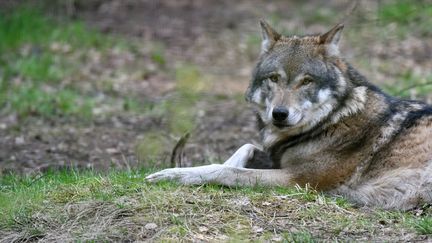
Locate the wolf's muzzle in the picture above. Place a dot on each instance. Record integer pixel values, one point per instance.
(280, 114)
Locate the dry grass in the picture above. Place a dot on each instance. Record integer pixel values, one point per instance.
(120, 206)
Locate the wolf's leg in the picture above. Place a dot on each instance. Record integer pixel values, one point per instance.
(250, 156)
(223, 175)
(241, 156)
(402, 188)
(232, 172)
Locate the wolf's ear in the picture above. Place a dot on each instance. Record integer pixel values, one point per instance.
(331, 38)
(269, 36)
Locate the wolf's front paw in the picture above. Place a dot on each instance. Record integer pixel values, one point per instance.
(188, 176)
(173, 174)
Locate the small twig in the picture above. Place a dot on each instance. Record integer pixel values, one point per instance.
(177, 153)
(412, 87)
(126, 162)
(37, 179)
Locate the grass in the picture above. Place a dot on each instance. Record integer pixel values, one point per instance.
(409, 85)
(119, 205)
(42, 76)
(29, 26)
(36, 101)
(323, 15)
(302, 236)
(37, 55)
(39, 67)
(424, 225)
(178, 114)
(158, 55)
(407, 15)
(151, 146)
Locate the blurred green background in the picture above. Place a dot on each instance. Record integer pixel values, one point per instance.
(103, 84)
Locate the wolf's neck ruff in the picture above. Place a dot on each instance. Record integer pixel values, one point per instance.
(351, 105)
(351, 101)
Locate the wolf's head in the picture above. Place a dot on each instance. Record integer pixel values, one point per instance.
(298, 81)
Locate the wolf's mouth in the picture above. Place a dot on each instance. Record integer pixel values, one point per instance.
(286, 124)
(280, 125)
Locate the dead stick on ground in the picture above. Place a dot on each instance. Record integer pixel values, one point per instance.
(177, 153)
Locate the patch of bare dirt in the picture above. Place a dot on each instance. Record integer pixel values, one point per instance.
(36, 145)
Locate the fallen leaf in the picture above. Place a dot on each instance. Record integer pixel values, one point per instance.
(202, 229)
(151, 226)
(257, 229)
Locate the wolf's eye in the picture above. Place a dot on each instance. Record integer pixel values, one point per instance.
(306, 81)
(274, 78)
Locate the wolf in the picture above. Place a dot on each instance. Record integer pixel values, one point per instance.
(324, 125)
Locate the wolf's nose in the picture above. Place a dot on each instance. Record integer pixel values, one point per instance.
(280, 113)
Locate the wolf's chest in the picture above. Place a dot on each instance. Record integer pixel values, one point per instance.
(302, 153)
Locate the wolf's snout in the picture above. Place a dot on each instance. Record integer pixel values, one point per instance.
(280, 113)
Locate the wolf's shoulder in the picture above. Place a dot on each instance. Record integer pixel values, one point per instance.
(414, 111)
